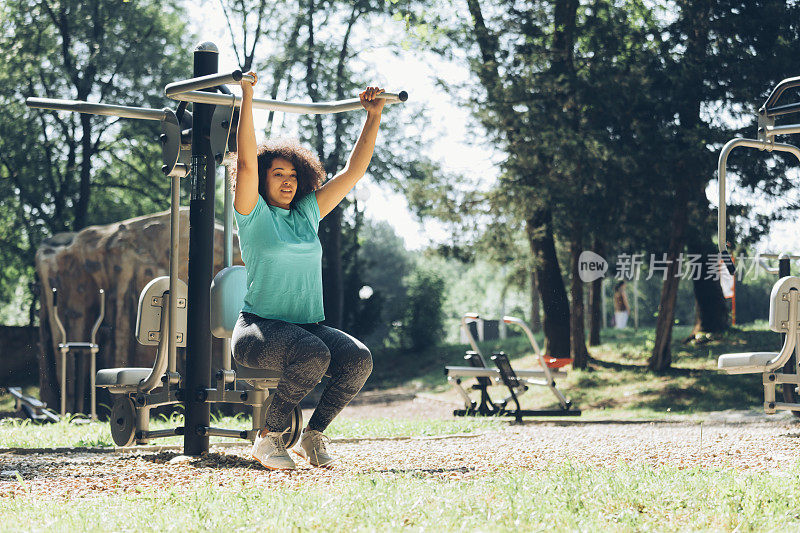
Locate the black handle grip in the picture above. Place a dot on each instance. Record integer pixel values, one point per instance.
(728, 260)
(55, 297)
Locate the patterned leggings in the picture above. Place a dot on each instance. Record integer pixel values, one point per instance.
(302, 353)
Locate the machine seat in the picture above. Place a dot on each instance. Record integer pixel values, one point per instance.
(246, 373)
(121, 377)
(745, 363)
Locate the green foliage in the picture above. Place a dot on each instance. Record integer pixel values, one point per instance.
(384, 263)
(424, 321)
(64, 171)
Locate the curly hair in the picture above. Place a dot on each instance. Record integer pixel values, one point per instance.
(310, 171)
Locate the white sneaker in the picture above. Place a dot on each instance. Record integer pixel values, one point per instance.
(270, 451)
(312, 448)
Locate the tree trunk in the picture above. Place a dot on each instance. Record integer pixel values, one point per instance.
(82, 206)
(711, 310)
(551, 287)
(711, 314)
(595, 311)
(595, 304)
(332, 277)
(578, 351)
(661, 357)
(536, 318)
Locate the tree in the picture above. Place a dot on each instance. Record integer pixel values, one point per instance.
(560, 96)
(62, 172)
(715, 56)
(424, 323)
(384, 263)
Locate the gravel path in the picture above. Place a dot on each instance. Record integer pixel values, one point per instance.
(745, 442)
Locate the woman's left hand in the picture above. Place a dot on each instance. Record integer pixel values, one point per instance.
(370, 103)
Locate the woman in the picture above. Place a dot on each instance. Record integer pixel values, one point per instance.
(278, 203)
(621, 306)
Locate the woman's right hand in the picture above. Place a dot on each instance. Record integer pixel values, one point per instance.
(247, 87)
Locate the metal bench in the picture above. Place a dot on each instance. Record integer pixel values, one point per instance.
(516, 381)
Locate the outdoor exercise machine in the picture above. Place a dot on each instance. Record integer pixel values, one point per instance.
(33, 408)
(172, 313)
(776, 368)
(36, 409)
(64, 347)
(516, 381)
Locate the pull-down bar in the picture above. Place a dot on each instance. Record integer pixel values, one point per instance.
(110, 110)
(320, 108)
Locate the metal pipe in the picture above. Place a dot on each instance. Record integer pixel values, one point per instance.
(494, 374)
(472, 317)
(287, 107)
(175, 245)
(205, 82)
(782, 110)
(201, 256)
(768, 269)
(789, 129)
(227, 222)
(161, 433)
(722, 216)
(110, 110)
(776, 93)
(521, 323)
(99, 318)
(153, 379)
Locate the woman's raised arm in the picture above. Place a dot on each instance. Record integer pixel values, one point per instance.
(329, 196)
(246, 195)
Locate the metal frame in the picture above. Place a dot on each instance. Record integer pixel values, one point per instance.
(517, 381)
(64, 347)
(211, 125)
(787, 360)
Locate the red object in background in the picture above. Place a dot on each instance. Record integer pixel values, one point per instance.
(553, 362)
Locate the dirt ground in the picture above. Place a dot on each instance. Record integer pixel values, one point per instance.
(742, 441)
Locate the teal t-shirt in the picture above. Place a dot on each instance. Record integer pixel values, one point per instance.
(283, 259)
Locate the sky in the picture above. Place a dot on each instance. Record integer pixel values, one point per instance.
(452, 146)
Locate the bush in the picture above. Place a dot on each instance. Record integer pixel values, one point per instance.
(423, 323)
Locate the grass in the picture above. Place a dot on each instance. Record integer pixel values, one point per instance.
(564, 498)
(622, 497)
(617, 384)
(15, 433)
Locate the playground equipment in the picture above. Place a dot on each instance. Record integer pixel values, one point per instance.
(517, 382)
(172, 313)
(64, 347)
(779, 368)
(32, 408)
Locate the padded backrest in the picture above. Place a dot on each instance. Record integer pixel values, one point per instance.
(779, 304)
(227, 299)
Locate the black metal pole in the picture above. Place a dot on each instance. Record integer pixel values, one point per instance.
(783, 267)
(201, 256)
